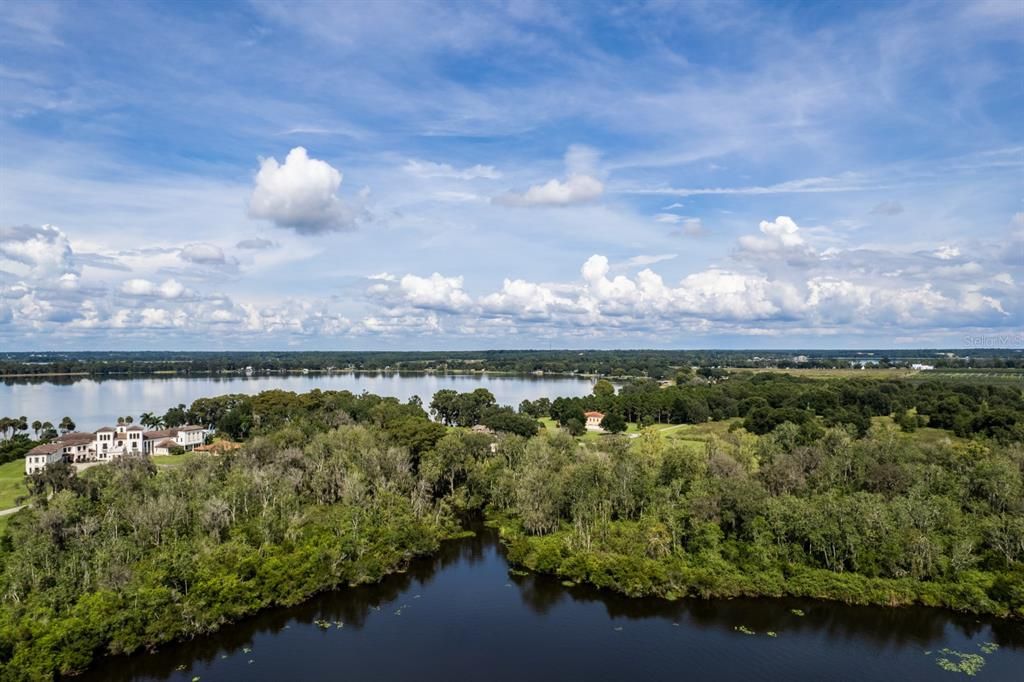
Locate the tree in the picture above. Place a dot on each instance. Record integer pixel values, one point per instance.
(66, 425)
(48, 432)
(150, 420)
(444, 406)
(613, 422)
(37, 427)
(604, 389)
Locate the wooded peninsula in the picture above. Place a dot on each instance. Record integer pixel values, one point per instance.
(866, 491)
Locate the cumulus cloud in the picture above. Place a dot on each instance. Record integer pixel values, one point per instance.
(429, 169)
(203, 254)
(946, 252)
(44, 251)
(580, 185)
(300, 194)
(256, 244)
(168, 289)
(436, 291)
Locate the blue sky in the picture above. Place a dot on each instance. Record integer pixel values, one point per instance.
(520, 175)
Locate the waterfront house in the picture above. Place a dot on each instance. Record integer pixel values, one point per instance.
(594, 420)
(109, 443)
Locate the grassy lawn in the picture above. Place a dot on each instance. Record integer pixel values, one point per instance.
(11, 486)
(844, 373)
(176, 460)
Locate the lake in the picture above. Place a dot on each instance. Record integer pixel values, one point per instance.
(93, 403)
(459, 615)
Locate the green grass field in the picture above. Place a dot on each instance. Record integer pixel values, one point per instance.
(11, 486)
(844, 373)
(176, 460)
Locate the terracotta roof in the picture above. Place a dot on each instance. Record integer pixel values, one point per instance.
(593, 414)
(170, 433)
(134, 427)
(75, 438)
(105, 429)
(165, 443)
(45, 449)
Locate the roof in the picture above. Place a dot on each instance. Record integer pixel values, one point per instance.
(166, 443)
(46, 449)
(134, 427)
(75, 438)
(170, 433)
(105, 429)
(593, 414)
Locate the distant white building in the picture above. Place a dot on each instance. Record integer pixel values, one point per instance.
(594, 420)
(918, 366)
(110, 443)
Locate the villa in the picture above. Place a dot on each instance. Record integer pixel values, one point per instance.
(110, 442)
(594, 420)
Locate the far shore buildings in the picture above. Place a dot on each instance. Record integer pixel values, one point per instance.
(594, 420)
(112, 442)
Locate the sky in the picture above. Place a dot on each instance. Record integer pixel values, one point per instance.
(403, 176)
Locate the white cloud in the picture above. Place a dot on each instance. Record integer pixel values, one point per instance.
(45, 251)
(168, 289)
(203, 254)
(429, 169)
(436, 291)
(947, 252)
(778, 237)
(300, 194)
(575, 189)
(580, 185)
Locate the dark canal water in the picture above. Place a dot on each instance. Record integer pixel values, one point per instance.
(461, 616)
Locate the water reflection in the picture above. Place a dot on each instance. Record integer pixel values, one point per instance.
(97, 401)
(546, 617)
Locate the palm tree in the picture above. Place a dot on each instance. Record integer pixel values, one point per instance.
(23, 423)
(67, 424)
(36, 426)
(150, 420)
(129, 419)
(48, 431)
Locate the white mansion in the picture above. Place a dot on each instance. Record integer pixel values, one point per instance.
(111, 443)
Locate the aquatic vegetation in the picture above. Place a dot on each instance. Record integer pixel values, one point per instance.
(960, 662)
(568, 583)
(322, 624)
(744, 629)
(181, 667)
(772, 633)
(798, 612)
(246, 650)
(989, 647)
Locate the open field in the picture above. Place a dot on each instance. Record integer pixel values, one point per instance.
(816, 373)
(11, 485)
(176, 460)
(987, 376)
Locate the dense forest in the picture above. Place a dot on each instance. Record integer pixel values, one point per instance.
(333, 489)
(612, 363)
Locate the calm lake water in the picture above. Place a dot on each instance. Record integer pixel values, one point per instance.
(461, 616)
(94, 403)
